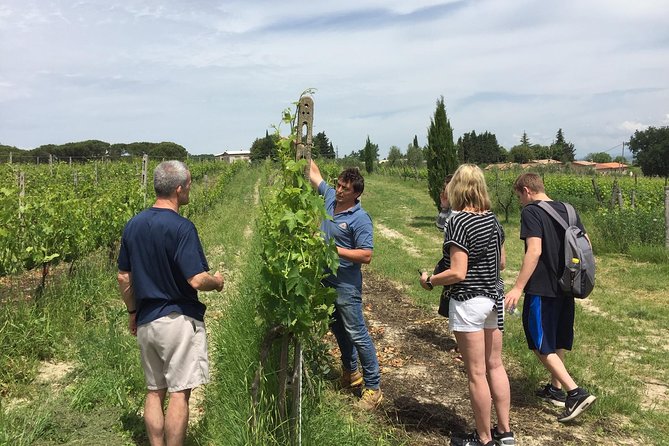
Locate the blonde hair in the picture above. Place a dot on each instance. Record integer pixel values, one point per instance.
(468, 189)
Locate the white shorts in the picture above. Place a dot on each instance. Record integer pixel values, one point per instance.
(174, 353)
(471, 315)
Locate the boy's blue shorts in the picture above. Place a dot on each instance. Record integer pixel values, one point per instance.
(548, 323)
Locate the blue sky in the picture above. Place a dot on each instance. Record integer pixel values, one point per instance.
(215, 75)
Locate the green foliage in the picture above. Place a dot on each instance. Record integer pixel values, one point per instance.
(599, 157)
(503, 198)
(478, 149)
(619, 230)
(562, 150)
(441, 153)
(540, 152)
(263, 148)
(294, 253)
(95, 149)
(651, 150)
(414, 155)
(521, 154)
(322, 147)
(394, 156)
(370, 155)
(59, 219)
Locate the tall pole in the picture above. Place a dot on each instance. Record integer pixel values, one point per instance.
(666, 216)
(145, 166)
(304, 144)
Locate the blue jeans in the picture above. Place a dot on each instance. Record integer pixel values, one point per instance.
(348, 326)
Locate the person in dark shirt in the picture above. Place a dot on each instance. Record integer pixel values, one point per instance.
(445, 212)
(161, 268)
(548, 314)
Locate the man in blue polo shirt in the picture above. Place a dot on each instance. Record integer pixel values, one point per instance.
(351, 229)
(161, 268)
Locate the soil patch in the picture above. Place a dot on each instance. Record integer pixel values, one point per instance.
(394, 235)
(425, 383)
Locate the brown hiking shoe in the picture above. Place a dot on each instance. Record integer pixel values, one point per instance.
(370, 399)
(350, 379)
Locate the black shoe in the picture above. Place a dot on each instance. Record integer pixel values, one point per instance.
(552, 395)
(472, 440)
(502, 438)
(575, 405)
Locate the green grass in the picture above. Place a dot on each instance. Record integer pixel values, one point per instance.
(80, 321)
(235, 336)
(620, 338)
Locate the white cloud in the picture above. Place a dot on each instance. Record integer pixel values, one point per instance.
(212, 74)
(631, 126)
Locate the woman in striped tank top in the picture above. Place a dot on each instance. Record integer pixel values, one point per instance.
(473, 255)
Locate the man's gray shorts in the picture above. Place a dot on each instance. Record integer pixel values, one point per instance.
(174, 353)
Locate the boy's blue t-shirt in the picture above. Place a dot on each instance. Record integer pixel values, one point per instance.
(161, 249)
(351, 229)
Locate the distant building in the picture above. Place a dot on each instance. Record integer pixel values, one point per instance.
(599, 167)
(583, 165)
(230, 156)
(547, 162)
(611, 167)
(528, 165)
(501, 166)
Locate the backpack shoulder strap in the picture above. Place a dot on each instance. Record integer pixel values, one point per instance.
(553, 213)
(571, 214)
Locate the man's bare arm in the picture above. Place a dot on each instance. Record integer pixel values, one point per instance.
(207, 282)
(530, 261)
(355, 255)
(315, 177)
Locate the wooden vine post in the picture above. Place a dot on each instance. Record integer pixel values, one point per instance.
(303, 146)
(145, 166)
(289, 381)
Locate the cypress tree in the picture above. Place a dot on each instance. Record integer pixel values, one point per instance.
(370, 155)
(441, 153)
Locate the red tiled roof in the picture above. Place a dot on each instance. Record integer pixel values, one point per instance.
(610, 166)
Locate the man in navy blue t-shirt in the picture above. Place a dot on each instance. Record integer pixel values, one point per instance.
(351, 229)
(161, 267)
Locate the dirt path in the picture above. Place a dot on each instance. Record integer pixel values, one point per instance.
(425, 384)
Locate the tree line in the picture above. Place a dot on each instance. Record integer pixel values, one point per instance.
(95, 149)
(442, 155)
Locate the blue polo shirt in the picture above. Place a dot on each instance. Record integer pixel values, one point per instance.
(351, 229)
(162, 250)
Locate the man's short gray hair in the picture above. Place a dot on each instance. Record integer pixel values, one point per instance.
(169, 175)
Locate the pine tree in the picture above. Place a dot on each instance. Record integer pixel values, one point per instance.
(441, 153)
(322, 147)
(562, 150)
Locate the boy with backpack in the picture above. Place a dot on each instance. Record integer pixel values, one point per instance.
(550, 284)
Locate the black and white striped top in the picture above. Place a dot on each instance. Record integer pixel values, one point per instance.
(471, 232)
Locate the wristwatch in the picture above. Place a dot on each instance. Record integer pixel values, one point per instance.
(428, 282)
